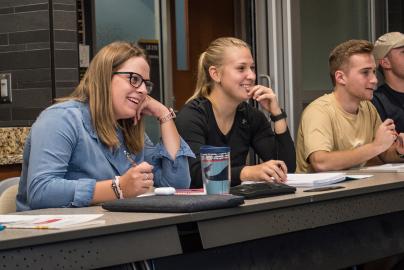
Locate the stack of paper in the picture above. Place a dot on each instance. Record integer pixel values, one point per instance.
(314, 179)
(49, 221)
(390, 167)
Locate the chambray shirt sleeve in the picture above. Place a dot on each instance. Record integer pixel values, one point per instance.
(168, 172)
(54, 137)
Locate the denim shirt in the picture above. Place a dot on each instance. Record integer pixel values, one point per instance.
(63, 159)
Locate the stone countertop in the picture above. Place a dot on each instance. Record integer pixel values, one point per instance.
(12, 141)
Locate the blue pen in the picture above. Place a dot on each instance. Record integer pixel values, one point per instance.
(2, 227)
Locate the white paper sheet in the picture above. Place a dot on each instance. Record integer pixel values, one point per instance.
(49, 221)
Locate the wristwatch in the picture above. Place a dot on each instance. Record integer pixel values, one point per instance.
(170, 115)
(278, 117)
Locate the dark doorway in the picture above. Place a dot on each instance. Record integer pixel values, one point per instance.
(207, 20)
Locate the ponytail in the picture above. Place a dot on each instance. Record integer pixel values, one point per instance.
(213, 56)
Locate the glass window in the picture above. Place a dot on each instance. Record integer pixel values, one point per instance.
(124, 20)
(135, 21)
(325, 24)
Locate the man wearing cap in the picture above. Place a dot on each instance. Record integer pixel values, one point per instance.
(389, 97)
(342, 129)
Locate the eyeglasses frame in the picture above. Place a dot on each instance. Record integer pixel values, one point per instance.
(149, 85)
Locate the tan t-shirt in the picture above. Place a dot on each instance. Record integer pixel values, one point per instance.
(326, 126)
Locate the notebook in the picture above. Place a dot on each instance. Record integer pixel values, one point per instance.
(314, 179)
(261, 189)
(389, 167)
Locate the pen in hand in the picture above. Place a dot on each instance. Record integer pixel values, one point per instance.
(129, 157)
(399, 139)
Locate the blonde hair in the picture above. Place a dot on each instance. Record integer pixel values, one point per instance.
(340, 55)
(95, 88)
(213, 56)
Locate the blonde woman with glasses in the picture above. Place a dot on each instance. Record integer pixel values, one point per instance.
(91, 147)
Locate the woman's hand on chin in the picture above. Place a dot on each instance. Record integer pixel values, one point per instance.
(151, 107)
(266, 97)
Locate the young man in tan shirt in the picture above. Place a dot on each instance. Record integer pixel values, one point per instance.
(342, 129)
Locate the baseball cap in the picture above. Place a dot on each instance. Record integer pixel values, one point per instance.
(385, 43)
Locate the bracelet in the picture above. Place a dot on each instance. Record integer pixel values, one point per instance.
(116, 188)
(117, 178)
(167, 117)
(278, 117)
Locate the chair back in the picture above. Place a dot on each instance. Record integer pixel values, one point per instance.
(8, 193)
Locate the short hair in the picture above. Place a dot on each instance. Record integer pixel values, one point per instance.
(339, 56)
(95, 89)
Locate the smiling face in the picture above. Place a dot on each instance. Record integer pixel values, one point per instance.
(126, 99)
(237, 73)
(359, 77)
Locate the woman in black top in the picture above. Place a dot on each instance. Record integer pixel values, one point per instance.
(218, 115)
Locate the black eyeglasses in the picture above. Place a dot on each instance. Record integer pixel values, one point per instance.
(136, 80)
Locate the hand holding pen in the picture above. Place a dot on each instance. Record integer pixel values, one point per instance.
(399, 139)
(272, 170)
(129, 158)
(138, 179)
(399, 143)
(385, 135)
